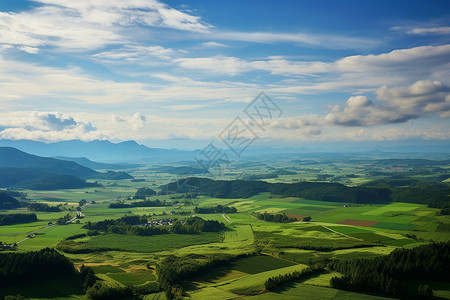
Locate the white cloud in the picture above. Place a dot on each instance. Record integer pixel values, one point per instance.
(423, 97)
(186, 106)
(133, 52)
(31, 50)
(44, 126)
(213, 45)
(217, 64)
(322, 40)
(137, 121)
(357, 70)
(86, 25)
(400, 105)
(430, 30)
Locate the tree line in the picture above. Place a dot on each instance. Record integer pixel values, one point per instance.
(43, 207)
(215, 209)
(134, 225)
(9, 219)
(434, 194)
(387, 274)
(321, 191)
(275, 281)
(277, 218)
(47, 263)
(172, 270)
(145, 203)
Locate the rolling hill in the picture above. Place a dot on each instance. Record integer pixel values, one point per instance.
(22, 170)
(86, 162)
(14, 158)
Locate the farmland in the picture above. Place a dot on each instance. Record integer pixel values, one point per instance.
(257, 249)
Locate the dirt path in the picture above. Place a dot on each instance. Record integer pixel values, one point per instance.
(347, 236)
(226, 218)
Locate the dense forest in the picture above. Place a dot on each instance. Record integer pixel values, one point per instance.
(143, 192)
(275, 281)
(8, 202)
(405, 189)
(173, 270)
(9, 219)
(387, 274)
(43, 207)
(311, 190)
(23, 267)
(434, 194)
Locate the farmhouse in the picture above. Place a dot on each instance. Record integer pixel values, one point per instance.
(160, 222)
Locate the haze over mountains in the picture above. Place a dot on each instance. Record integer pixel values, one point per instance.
(103, 154)
(103, 151)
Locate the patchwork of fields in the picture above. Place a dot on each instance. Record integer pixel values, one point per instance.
(341, 231)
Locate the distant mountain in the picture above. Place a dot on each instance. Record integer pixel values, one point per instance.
(98, 166)
(100, 150)
(14, 158)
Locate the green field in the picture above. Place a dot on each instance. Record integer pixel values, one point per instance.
(148, 244)
(263, 249)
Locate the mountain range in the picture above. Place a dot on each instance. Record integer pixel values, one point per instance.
(98, 150)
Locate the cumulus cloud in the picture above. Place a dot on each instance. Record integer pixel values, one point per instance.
(44, 126)
(399, 104)
(137, 121)
(360, 111)
(423, 97)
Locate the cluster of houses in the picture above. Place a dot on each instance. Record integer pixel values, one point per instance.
(6, 247)
(159, 222)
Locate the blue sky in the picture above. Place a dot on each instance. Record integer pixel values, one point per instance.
(167, 73)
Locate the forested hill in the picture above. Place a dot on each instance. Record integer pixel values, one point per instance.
(22, 170)
(311, 190)
(432, 194)
(389, 273)
(14, 158)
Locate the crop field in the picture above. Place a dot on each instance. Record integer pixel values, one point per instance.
(149, 244)
(239, 233)
(337, 230)
(254, 283)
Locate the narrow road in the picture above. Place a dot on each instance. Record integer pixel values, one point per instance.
(347, 236)
(226, 218)
(33, 232)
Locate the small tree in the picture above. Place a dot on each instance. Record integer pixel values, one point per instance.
(306, 219)
(82, 202)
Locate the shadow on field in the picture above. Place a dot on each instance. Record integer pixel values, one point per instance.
(48, 289)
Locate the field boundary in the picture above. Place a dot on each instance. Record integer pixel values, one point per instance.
(226, 218)
(347, 236)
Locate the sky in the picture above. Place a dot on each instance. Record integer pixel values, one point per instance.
(177, 74)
